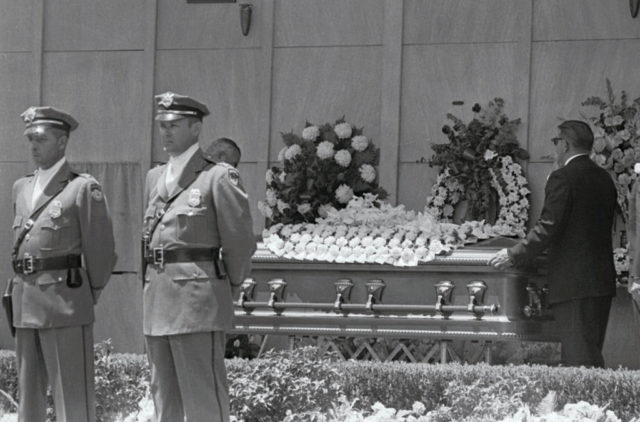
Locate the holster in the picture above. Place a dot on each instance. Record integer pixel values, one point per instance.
(8, 306)
(218, 263)
(143, 259)
(74, 278)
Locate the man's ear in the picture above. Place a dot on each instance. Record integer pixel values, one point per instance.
(196, 127)
(62, 142)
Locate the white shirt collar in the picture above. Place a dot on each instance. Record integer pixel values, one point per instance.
(574, 156)
(45, 175)
(179, 161)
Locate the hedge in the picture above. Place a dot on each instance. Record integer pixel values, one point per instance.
(301, 381)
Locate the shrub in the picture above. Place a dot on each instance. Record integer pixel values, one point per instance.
(295, 381)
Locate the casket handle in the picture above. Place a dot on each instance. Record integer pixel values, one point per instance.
(276, 287)
(246, 291)
(374, 290)
(444, 290)
(476, 291)
(343, 292)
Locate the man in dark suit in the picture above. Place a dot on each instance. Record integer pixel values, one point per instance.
(575, 225)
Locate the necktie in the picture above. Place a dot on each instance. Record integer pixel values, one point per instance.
(170, 180)
(37, 191)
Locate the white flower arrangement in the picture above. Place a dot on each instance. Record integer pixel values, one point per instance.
(371, 231)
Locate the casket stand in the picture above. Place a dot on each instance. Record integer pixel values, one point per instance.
(454, 297)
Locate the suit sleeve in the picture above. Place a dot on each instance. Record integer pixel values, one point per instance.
(556, 207)
(98, 244)
(235, 226)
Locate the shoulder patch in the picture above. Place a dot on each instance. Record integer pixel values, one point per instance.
(96, 192)
(234, 175)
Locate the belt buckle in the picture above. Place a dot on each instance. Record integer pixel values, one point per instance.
(28, 266)
(158, 256)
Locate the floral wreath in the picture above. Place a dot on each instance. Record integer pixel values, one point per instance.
(478, 164)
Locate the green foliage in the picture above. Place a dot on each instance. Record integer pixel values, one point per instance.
(289, 381)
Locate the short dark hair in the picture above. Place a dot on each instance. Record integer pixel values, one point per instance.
(577, 133)
(229, 147)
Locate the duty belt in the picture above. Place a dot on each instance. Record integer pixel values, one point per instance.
(161, 256)
(29, 265)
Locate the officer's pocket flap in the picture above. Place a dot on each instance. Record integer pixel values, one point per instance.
(17, 222)
(55, 224)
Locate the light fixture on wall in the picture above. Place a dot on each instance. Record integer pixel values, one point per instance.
(634, 5)
(245, 18)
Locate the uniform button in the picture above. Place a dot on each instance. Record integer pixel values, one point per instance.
(161, 226)
(27, 237)
(59, 278)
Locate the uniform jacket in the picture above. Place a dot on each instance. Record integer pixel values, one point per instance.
(77, 222)
(575, 225)
(633, 231)
(213, 211)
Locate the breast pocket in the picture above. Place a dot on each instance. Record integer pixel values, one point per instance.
(54, 233)
(192, 226)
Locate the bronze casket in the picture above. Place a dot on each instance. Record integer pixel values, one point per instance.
(457, 296)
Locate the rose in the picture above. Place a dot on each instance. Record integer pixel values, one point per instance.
(343, 130)
(268, 177)
(265, 210)
(489, 155)
(310, 133)
(343, 158)
(282, 205)
(292, 152)
(344, 194)
(359, 143)
(281, 153)
(324, 150)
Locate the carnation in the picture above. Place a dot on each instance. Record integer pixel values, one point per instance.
(367, 173)
(359, 143)
(281, 153)
(344, 194)
(268, 177)
(343, 157)
(343, 130)
(271, 197)
(292, 152)
(310, 133)
(265, 210)
(325, 150)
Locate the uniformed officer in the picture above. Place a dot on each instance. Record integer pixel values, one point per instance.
(62, 258)
(197, 244)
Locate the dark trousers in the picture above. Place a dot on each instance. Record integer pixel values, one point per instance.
(582, 325)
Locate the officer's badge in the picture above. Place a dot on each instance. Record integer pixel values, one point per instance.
(96, 193)
(234, 176)
(55, 210)
(195, 197)
(29, 115)
(166, 99)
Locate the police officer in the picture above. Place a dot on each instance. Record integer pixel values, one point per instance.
(197, 244)
(62, 258)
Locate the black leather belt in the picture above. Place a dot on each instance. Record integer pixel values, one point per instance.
(29, 265)
(160, 256)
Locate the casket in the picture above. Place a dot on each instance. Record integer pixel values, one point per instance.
(456, 296)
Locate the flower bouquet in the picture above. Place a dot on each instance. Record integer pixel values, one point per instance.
(479, 168)
(324, 168)
(616, 145)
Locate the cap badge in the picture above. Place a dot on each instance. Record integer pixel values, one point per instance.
(194, 197)
(166, 99)
(234, 176)
(96, 193)
(29, 114)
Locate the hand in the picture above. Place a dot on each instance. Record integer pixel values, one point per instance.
(633, 287)
(501, 260)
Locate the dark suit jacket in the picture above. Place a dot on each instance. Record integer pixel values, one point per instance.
(575, 225)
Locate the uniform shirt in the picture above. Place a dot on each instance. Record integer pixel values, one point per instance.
(176, 166)
(211, 211)
(76, 222)
(43, 177)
